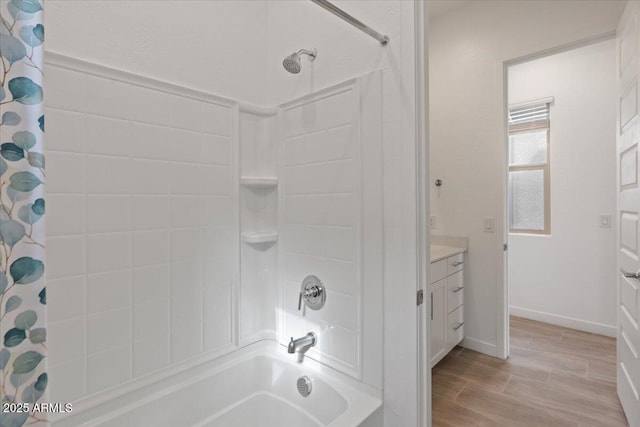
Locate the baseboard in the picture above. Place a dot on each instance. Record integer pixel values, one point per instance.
(567, 322)
(479, 346)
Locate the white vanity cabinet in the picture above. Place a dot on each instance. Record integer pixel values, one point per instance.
(447, 304)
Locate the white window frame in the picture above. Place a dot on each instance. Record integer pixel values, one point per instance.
(526, 127)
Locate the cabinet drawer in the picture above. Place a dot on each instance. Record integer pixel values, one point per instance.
(455, 263)
(438, 270)
(455, 291)
(455, 326)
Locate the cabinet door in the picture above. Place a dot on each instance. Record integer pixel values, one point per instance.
(438, 321)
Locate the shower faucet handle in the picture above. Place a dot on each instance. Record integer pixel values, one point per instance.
(313, 292)
(308, 294)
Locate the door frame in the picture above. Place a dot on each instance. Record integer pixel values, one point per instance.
(422, 189)
(502, 344)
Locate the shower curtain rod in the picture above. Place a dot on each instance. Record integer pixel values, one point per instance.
(383, 39)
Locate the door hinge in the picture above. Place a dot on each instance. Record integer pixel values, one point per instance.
(504, 247)
(420, 297)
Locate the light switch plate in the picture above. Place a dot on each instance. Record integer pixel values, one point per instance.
(489, 225)
(432, 222)
(605, 220)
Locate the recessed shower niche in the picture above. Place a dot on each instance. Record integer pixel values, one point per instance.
(258, 223)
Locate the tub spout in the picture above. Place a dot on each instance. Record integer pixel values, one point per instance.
(301, 345)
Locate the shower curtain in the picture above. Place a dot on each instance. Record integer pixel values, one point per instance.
(23, 377)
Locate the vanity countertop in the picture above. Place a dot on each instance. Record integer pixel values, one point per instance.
(439, 252)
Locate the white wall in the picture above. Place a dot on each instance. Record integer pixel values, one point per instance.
(213, 46)
(568, 278)
(467, 50)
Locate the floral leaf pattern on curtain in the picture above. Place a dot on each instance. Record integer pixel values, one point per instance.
(23, 350)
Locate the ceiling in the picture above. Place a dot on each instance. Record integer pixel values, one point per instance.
(436, 8)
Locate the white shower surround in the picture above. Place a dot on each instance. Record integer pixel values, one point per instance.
(214, 141)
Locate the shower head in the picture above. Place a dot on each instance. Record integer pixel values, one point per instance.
(292, 62)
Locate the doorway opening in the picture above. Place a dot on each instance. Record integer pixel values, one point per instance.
(561, 180)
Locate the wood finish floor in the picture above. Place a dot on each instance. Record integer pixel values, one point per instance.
(555, 377)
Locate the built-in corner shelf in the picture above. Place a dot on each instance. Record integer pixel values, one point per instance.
(259, 181)
(259, 237)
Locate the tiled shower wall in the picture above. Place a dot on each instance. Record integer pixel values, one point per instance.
(142, 214)
(320, 225)
(331, 223)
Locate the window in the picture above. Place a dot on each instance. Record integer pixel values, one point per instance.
(529, 169)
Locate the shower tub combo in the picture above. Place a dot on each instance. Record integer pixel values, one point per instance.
(256, 386)
(258, 382)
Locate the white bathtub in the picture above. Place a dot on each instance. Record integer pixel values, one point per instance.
(257, 388)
